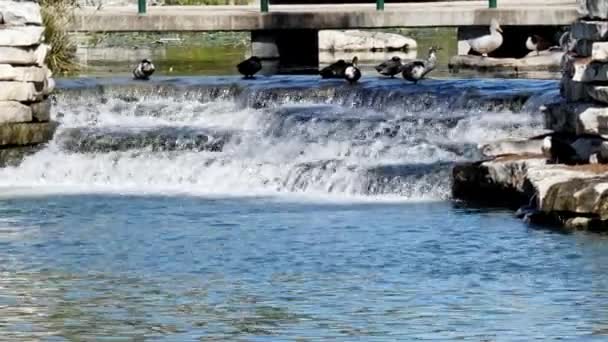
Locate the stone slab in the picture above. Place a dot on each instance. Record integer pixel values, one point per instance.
(583, 48)
(20, 13)
(546, 61)
(593, 9)
(512, 146)
(12, 111)
(41, 111)
(23, 55)
(572, 90)
(576, 118)
(357, 40)
(22, 74)
(589, 30)
(597, 92)
(21, 36)
(19, 91)
(599, 52)
(19, 134)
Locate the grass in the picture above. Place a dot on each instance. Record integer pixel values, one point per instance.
(205, 2)
(56, 16)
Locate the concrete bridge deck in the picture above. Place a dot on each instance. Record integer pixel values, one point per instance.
(319, 17)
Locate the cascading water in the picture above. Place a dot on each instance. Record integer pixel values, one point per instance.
(224, 136)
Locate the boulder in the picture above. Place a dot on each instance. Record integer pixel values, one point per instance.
(23, 56)
(546, 60)
(356, 40)
(41, 111)
(22, 74)
(20, 13)
(21, 36)
(572, 90)
(583, 48)
(597, 92)
(18, 91)
(12, 111)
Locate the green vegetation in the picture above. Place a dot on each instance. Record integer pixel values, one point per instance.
(56, 15)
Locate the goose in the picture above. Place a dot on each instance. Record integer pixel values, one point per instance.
(416, 70)
(352, 72)
(390, 68)
(334, 70)
(250, 66)
(489, 42)
(537, 43)
(143, 70)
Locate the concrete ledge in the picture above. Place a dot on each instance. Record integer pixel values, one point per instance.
(20, 134)
(11, 111)
(319, 17)
(547, 61)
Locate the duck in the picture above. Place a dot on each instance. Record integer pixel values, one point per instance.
(143, 70)
(559, 151)
(566, 43)
(390, 68)
(537, 43)
(352, 73)
(416, 70)
(489, 42)
(250, 66)
(334, 70)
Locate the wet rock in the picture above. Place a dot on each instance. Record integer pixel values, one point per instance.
(572, 90)
(599, 52)
(14, 155)
(20, 13)
(21, 36)
(356, 40)
(576, 118)
(583, 48)
(512, 146)
(41, 111)
(23, 56)
(597, 92)
(12, 111)
(18, 134)
(547, 60)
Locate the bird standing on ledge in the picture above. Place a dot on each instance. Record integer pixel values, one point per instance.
(489, 42)
(143, 70)
(250, 66)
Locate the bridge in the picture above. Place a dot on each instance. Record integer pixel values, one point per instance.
(321, 17)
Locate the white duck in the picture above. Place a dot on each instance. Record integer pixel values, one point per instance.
(489, 42)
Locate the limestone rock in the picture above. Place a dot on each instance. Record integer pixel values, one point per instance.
(21, 36)
(577, 118)
(49, 86)
(12, 111)
(583, 48)
(547, 60)
(22, 74)
(589, 30)
(18, 134)
(593, 9)
(18, 91)
(597, 92)
(14, 155)
(599, 52)
(20, 13)
(356, 40)
(23, 56)
(41, 111)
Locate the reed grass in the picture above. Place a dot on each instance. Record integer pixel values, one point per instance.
(56, 17)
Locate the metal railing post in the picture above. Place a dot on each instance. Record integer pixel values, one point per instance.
(379, 5)
(141, 7)
(492, 4)
(264, 6)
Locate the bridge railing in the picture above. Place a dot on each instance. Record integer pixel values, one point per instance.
(264, 5)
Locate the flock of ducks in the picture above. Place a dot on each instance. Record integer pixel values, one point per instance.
(412, 71)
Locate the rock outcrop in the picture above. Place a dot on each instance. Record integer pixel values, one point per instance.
(357, 40)
(25, 81)
(518, 175)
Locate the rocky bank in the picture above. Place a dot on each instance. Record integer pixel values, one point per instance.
(25, 81)
(518, 175)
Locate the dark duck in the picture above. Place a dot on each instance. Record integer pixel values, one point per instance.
(334, 70)
(390, 68)
(537, 43)
(416, 70)
(250, 66)
(143, 70)
(352, 73)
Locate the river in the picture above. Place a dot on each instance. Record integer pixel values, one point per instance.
(283, 208)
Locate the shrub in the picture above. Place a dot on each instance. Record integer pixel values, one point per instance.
(56, 17)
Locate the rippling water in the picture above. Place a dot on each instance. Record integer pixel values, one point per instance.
(198, 209)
